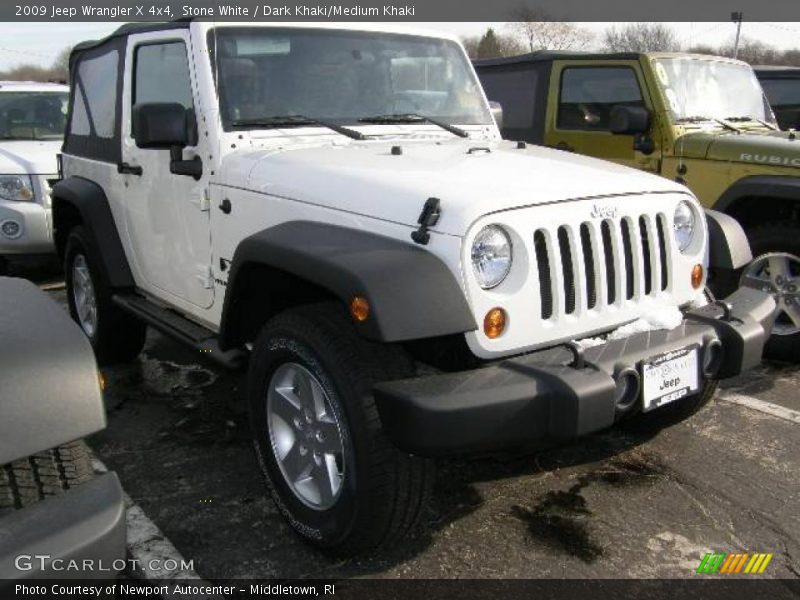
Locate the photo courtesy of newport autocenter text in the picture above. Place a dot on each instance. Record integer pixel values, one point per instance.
(350, 299)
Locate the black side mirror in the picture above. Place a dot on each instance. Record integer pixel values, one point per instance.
(629, 120)
(160, 125)
(168, 126)
(497, 113)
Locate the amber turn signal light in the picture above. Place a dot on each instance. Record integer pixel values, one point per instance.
(697, 276)
(494, 323)
(359, 308)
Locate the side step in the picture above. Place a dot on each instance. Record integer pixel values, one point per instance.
(180, 328)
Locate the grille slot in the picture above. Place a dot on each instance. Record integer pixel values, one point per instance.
(662, 248)
(627, 249)
(569, 272)
(588, 265)
(648, 267)
(543, 266)
(608, 252)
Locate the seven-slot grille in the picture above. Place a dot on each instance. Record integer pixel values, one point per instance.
(600, 263)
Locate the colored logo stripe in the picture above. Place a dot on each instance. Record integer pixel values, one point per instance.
(714, 562)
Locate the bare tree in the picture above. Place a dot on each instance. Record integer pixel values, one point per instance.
(640, 37)
(539, 32)
(492, 44)
(753, 52)
(61, 63)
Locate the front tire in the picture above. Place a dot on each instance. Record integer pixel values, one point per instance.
(776, 268)
(310, 372)
(115, 335)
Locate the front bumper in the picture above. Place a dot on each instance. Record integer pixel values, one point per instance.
(545, 397)
(86, 523)
(35, 232)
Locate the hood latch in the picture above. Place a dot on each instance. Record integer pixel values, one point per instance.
(428, 218)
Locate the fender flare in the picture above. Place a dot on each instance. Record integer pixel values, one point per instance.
(411, 292)
(48, 374)
(91, 203)
(728, 247)
(785, 187)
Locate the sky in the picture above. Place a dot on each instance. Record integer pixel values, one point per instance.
(40, 43)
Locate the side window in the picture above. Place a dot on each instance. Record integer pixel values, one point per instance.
(515, 90)
(162, 74)
(94, 110)
(589, 93)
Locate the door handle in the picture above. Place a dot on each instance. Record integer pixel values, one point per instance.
(225, 206)
(129, 169)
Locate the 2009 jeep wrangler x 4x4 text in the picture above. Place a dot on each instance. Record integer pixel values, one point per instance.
(336, 207)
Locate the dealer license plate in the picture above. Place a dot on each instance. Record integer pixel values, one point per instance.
(669, 377)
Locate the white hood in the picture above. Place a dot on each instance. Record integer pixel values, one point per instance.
(29, 156)
(366, 178)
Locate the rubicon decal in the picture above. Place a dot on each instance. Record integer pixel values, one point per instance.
(720, 563)
(770, 159)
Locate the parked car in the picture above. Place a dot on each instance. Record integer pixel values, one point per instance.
(32, 118)
(700, 120)
(334, 204)
(782, 87)
(55, 513)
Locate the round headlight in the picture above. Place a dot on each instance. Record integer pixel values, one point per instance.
(683, 224)
(491, 256)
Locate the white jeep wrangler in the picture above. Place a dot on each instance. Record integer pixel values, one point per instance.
(32, 117)
(333, 206)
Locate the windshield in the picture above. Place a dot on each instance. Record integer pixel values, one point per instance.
(710, 89)
(33, 115)
(341, 76)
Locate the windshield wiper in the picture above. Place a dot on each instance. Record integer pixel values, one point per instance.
(414, 118)
(748, 118)
(297, 121)
(697, 119)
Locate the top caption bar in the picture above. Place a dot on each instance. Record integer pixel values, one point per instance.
(412, 10)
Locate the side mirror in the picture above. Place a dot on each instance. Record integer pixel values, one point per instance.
(161, 125)
(168, 126)
(497, 113)
(629, 120)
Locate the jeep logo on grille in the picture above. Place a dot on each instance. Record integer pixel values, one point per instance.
(604, 212)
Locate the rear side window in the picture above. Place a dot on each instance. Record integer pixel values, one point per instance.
(94, 111)
(589, 93)
(515, 90)
(782, 91)
(162, 74)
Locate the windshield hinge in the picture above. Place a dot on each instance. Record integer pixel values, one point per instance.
(428, 218)
(205, 276)
(203, 202)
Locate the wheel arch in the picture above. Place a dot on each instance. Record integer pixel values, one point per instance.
(412, 294)
(761, 199)
(78, 201)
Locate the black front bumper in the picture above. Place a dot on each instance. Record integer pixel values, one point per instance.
(85, 524)
(548, 396)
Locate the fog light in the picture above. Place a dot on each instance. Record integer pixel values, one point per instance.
(359, 308)
(697, 276)
(11, 229)
(627, 392)
(494, 323)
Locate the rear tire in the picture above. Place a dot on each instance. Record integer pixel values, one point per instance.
(785, 238)
(26, 481)
(115, 335)
(380, 491)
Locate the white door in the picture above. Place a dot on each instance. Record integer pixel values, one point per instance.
(166, 216)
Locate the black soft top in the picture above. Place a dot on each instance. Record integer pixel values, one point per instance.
(551, 55)
(129, 28)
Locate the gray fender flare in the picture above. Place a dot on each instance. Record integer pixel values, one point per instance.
(411, 292)
(49, 386)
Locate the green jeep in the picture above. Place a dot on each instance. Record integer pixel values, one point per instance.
(701, 120)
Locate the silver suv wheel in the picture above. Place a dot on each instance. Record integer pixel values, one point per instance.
(778, 274)
(83, 295)
(305, 435)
